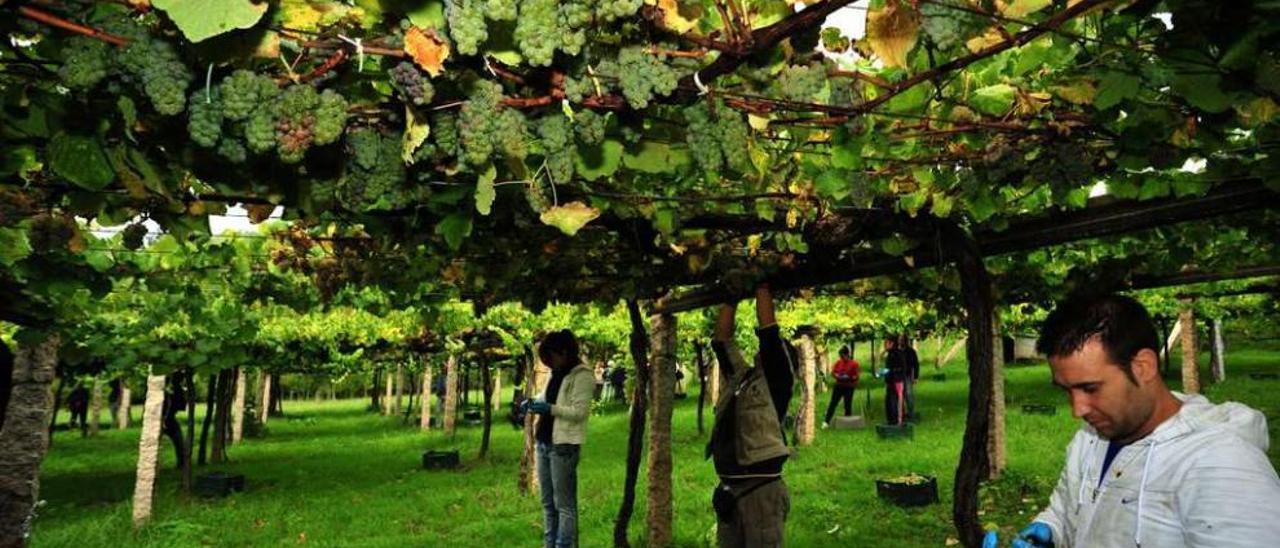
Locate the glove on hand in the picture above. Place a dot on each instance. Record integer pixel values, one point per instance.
(540, 408)
(1036, 535)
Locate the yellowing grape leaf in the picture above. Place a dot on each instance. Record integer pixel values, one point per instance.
(990, 38)
(1079, 93)
(485, 191)
(427, 49)
(259, 212)
(671, 17)
(1258, 111)
(312, 15)
(892, 31)
(200, 20)
(417, 129)
(570, 217)
(1019, 8)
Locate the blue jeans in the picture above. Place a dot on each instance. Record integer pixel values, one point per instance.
(558, 481)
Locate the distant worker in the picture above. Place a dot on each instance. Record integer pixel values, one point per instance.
(846, 372)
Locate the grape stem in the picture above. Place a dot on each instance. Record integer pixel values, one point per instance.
(55, 21)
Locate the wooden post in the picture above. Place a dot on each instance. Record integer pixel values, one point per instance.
(450, 395)
(148, 451)
(806, 413)
(395, 408)
(265, 402)
(24, 440)
(1190, 373)
(996, 455)
(1218, 359)
(424, 423)
(662, 389)
(95, 406)
(486, 389)
(237, 407)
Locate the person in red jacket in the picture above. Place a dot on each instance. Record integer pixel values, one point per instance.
(846, 372)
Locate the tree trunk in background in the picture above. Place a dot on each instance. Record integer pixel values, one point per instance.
(996, 454)
(208, 420)
(528, 480)
(713, 378)
(222, 417)
(375, 391)
(24, 440)
(395, 409)
(188, 473)
(937, 352)
(487, 389)
(1190, 373)
(975, 288)
(124, 414)
(144, 486)
(95, 406)
(264, 410)
(662, 391)
(388, 392)
(805, 415)
(237, 407)
(1218, 358)
(1171, 335)
(635, 438)
(277, 397)
(497, 390)
(450, 395)
(57, 401)
(823, 367)
(702, 380)
(961, 343)
(424, 402)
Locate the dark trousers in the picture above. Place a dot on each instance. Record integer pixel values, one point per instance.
(174, 431)
(893, 411)
(840, 393)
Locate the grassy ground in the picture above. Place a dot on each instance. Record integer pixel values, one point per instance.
(332, 474)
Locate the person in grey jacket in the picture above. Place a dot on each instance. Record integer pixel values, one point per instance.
(1150, 467)
(561, 429)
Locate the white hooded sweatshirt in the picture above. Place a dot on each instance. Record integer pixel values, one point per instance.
(1202, 478)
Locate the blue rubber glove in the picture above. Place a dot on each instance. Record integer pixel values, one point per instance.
(540, 408)
(884, 372)
(991, 540)
(524, 406)
(1036, 535)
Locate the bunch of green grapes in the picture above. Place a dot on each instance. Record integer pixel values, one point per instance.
(643, 75)
(503, 10)
(412, 83)
(511, 134)
(590, 127)
(204, 119)
(296, 120)
(375, 172)
(575, 17)
(466, 25)
(154, 66)
(243, 91)
(801, 83)
(734, 134)
(85, 62)
(701, 133)
(538, 32)
(612, 10)
(233, 150)
(477, 122)
(579, 88)
(557, 144)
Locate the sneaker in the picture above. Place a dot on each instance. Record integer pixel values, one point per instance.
(825, 425)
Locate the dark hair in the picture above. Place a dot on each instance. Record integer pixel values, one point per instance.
(1120, 323)
(844, 350)
(560, 342)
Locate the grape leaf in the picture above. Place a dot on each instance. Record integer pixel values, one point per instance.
(892, 32)
(570, 217)
(200, 19)
(485, 193)
(80, 160)
(427, 49)
(1113, 88)
(994, 100)
(454, 228)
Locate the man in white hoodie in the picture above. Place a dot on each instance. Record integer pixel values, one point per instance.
(1150, 467)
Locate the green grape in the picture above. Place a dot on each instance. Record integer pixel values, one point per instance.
(331, 117)
(204, 121)
(577, 89)
(590, 127)
(411, 83)
(477, 122)
(233, 150)
(557, 142)
(537, 31)
(611, 10)
(85, 62)
(575, 16)
(154, 66)
(375, 172)
(260, 130)
(466, 25)
(700, 133)
(133, 236)
(511, 134)
(243, 91)
(801, 83)
(502, 10)
(444, 130)
(295, 122)
(643, 75)
(734, 133)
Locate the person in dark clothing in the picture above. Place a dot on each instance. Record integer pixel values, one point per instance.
(618, 380)
(912, 370)
(175, 400)
(896, 371)
(78, 405)
(748, 445)
(846, 372)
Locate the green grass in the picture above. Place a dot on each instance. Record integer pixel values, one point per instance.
(333, 474)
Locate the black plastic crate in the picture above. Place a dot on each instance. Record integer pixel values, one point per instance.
(1264, 376)
(218, 484)
(903, 431)
(906, 494)
(1039, 409)
(440, 460)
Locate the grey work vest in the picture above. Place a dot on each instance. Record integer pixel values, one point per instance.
(759, 434)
